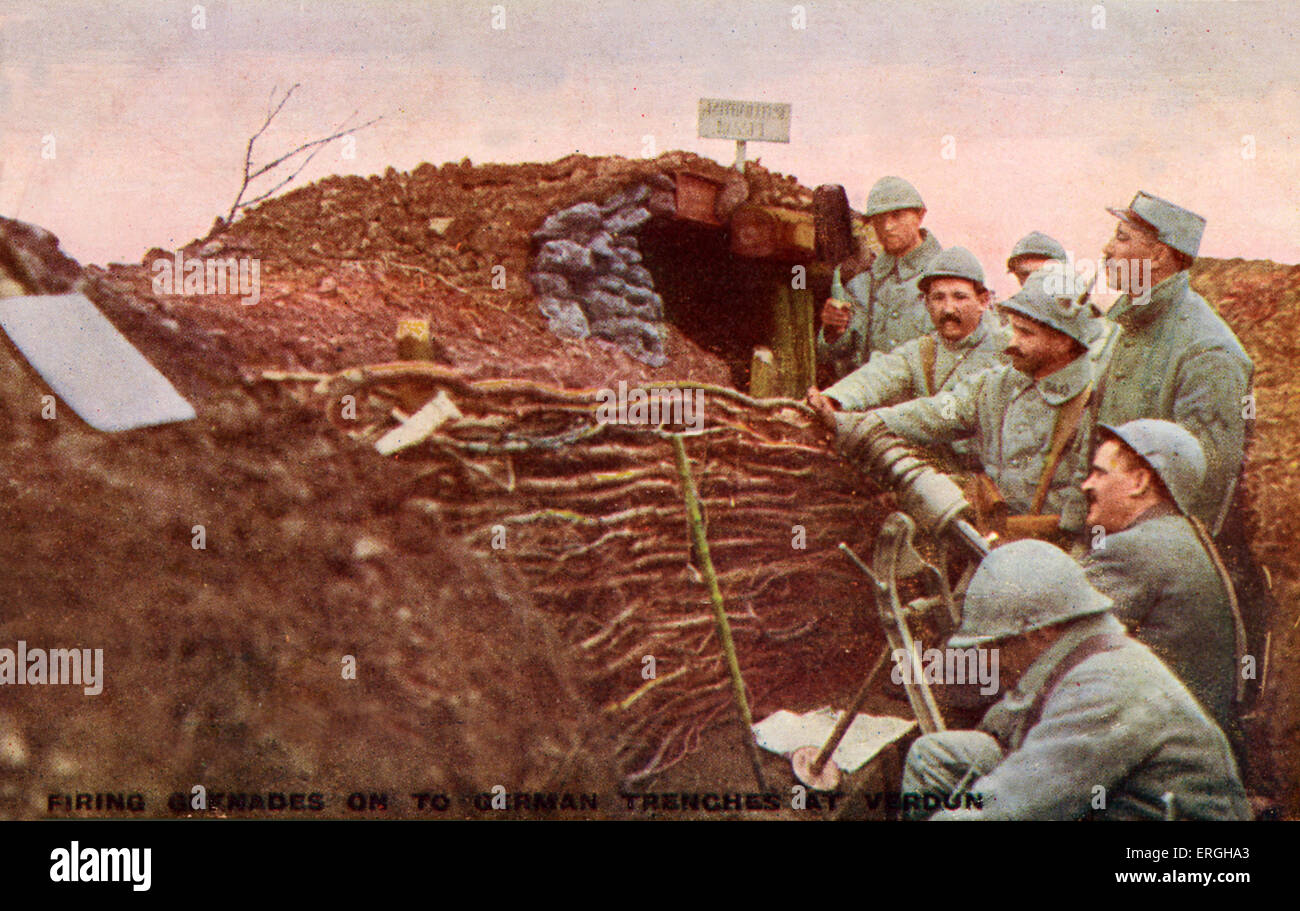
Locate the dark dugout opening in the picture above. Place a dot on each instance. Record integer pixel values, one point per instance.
(713, 297)
(720, 301)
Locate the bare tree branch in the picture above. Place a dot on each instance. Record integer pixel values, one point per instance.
(251, 174)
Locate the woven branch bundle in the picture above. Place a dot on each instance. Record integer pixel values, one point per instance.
(591, 514)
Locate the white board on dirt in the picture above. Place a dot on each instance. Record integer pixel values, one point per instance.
(419, 426)
(784, 732)
(88, 364)
(751, 121)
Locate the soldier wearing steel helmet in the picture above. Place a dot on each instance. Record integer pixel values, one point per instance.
(1028, 418)
(964, 339)
(1158, 562)
(886, 308)
(1031, 253)
(1091, 723)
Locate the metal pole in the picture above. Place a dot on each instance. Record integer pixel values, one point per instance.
(701, 542)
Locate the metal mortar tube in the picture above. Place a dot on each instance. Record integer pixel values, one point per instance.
(928, 495)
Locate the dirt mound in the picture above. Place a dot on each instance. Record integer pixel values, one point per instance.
(343, 259)
(1260, 300)
(224, 666)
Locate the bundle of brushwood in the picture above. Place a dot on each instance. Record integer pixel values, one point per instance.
(579, 490)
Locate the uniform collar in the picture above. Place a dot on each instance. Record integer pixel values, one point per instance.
(910, 264)
(1032, 680)
(1157, 511)
(1066, 383)
(1134, 313)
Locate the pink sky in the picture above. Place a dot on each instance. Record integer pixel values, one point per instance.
(1052, 118)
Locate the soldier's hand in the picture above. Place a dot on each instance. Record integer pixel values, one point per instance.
(825, 407)
(835, 318)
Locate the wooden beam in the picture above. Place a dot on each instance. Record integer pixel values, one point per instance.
(697, 196)
(792, 339)
(764, 377)
(804, 368)
(755, 232)
(773, 232)
(414, 340)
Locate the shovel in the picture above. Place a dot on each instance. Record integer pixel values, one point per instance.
(812, 766)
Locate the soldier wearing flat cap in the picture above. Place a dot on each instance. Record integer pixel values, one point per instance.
(1175, 359)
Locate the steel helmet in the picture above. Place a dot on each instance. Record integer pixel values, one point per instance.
(1023, 586)
(955, 262)
(1040, 300)
(890, 194)
(1170, 450)
(1036, 243)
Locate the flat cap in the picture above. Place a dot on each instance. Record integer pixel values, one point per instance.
(1174, 226)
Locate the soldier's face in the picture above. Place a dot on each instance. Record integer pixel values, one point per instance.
(1113, 489)
(1015, 655)
(1132, 244)
(1025, 266)
(955, 307)
(1036, 349)
(898, 231)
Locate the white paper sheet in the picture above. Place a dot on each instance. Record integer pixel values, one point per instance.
(784, 732)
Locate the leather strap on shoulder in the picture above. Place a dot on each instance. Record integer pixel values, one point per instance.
(1093, 645)
(1068, 417)
(1234, 607)
(929, 355)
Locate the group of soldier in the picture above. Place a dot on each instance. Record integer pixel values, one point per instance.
(1101, 453)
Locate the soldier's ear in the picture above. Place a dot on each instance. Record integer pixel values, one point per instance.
(1167, 255)
(1144, 481)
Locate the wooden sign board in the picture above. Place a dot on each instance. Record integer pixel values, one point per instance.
(746, 121)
